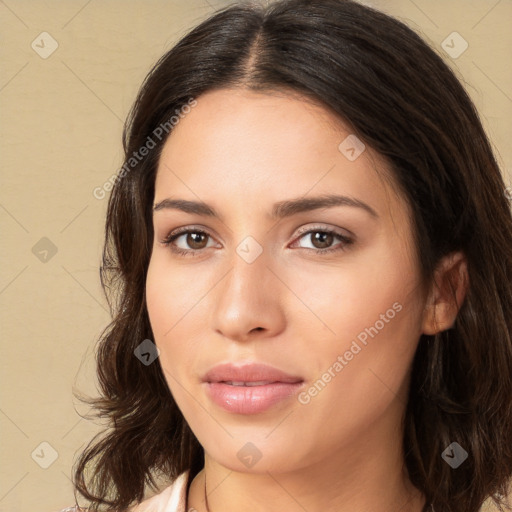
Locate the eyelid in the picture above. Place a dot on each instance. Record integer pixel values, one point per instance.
(323, 227)
(189, 228)
(175, 233)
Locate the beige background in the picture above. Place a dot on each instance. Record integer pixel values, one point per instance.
(61, 137)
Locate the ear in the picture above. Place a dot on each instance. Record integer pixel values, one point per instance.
(447, 294)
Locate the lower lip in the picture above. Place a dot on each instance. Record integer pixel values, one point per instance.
(250, 399)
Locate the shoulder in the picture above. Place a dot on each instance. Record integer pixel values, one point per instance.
(172, 499)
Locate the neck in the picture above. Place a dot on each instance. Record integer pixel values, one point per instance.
(366, 474)
(272, 493)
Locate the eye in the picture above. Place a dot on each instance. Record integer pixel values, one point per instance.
(195, 239)
(322, 238)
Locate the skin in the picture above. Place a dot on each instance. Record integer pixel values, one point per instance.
(295, 309)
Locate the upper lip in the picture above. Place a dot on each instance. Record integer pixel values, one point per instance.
(248, 372)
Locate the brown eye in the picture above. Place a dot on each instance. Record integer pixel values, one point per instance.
(188, 242)
(321, 239)
(196, 240)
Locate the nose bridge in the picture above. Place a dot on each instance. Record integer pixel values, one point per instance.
(248, 281)
(249, 295)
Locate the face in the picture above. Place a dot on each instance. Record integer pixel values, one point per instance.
(327, 293)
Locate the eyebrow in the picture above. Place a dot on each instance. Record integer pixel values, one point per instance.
(280, 209)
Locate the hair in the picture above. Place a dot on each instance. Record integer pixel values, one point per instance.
(402, 100)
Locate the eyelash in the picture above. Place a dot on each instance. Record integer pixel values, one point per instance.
(168, 241)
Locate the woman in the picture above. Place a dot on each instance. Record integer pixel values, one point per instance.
(309, 257)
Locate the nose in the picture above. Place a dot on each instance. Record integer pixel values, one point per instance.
(248, 301)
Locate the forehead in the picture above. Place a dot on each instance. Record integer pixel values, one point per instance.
(242, 149)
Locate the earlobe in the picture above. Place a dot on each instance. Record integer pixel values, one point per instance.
(447, 294)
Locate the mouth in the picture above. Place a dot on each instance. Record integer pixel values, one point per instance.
(255, 374)
(249, 384)
(251, 388)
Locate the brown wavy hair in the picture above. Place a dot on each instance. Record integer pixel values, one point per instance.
(402, 100)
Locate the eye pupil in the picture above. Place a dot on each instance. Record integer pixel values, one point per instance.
(324, 238)
(192, 240)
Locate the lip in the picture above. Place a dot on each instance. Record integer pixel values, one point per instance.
(263, 386)
(249, 372)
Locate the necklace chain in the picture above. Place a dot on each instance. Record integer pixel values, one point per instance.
(205, 495)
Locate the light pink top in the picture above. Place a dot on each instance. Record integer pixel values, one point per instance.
(171, 499)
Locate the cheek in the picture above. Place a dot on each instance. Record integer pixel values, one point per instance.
(350, 296)
(158, 301)
(171, 293)
(360, 377)
(173, 299)
(369, 314)
(164, 313)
